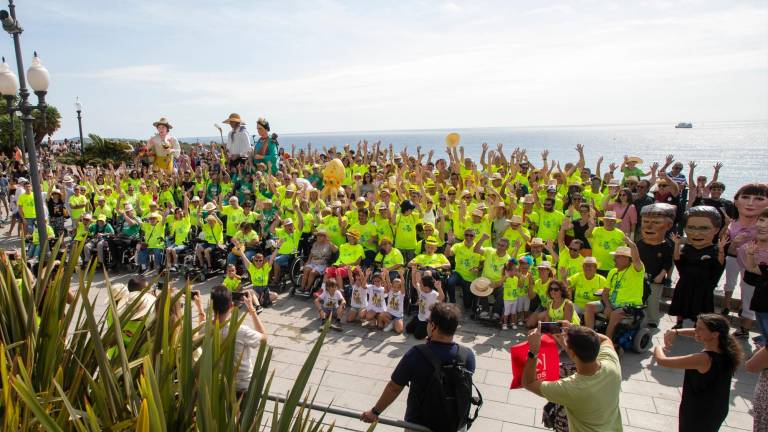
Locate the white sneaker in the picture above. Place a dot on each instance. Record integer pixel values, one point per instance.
(504, 326)
(514, 326)
(496, 316)
(484, 315)
(390, 325)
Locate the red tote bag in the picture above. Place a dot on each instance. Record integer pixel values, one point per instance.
(547, 365)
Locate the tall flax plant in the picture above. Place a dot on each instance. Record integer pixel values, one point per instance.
(56, 373)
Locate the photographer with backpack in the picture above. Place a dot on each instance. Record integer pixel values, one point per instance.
(439, 374)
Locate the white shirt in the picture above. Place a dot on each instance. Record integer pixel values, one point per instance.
(329, 301)
(395, 304)
(238, 142)
(426, 300)
(246, 344)
(359, 297)
(376, 299)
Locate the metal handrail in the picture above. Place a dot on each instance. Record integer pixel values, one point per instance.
(354, 414)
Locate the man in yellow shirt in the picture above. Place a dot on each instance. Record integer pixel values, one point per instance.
(604, 240)
(625, 288)
(26, 203)
(465, 270)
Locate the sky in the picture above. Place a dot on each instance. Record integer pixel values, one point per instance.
(328, 65)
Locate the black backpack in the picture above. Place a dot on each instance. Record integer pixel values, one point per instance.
(446, 400)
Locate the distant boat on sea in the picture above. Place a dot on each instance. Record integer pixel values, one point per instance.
(684, 125)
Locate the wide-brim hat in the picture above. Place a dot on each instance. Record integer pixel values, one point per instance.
(528, 199)
(119, 291)
(128, 207)
(537, 241)
(162, 121)
(210, 206)
(234, 118)
(545, 265)
(624, 251)
(516, 219)
(481, 287)
(590, 260)
(635, 159)
(611, 215)
(478, 212)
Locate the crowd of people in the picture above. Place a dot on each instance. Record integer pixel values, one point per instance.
(514, 239)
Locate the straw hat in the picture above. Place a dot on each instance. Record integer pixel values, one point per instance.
(234, 118)
(195, 198)
(516, 219)
(589, 260)
(155, 215)
(354, 234)
(210, 206)
(481, 287)
(119, 291)
(477, 212)
(128, 207)
(537, 241)
(162, 121)
(496, 176)
(287, 221)
(611, 215)
(528, 199)
(624, 251)
(635, 159)
(545, 265)
(465, 193)
(68, 179)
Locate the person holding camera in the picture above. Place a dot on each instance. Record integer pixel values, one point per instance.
(247, 340)
(591, 395)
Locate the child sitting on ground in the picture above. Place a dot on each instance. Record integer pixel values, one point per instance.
(430, 292)
(392, 319)
(331, 303)
(377, 295)
(359, 297)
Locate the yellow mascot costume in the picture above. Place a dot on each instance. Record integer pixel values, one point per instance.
(333, 175)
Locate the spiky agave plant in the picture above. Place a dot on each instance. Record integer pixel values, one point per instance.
(56, 373)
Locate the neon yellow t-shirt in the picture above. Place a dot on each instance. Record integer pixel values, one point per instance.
(435, 260)
(290, 241)
(511, 288)
(494, 264)
(27, 204)
(626, 286)
(405, 231)
(259, 276)
(232, 284)
(349, 254)
(466, 259)
(584, 289)
(571, 265)
(603, 243)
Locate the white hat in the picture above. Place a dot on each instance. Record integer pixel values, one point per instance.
(611, 215)
(144, 304)
(622, 251)
(537, 241)
(481, 287)
(589, 260)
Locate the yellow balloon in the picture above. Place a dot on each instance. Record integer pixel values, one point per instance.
(452, 139)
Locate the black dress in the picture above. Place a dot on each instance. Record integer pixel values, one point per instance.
(704, 405)
(699, 271)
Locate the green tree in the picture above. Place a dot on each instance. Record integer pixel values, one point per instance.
(41, 127)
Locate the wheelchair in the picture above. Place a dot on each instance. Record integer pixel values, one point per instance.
(317, 284)
(630, 333)
(190, 269)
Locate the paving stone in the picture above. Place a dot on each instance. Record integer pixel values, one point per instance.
(656, 422)
(636, 401)
(650, 389)
(739, 420)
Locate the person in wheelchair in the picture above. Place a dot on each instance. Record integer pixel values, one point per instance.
(389, 259)
(180, 226)
(494, 260)
(97, 238)
(625, 288)
(154, 241)
(319, 258)
(430, 259)
(288, 237)
(128, 233)
(246, 237)
(351, 254)
(213, 237)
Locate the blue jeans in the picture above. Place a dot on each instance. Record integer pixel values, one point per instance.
(144, 256)
(30, 225)
(762, 324)
(454, 281)
(34, 251)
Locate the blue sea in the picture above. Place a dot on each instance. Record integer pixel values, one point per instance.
(741, 146)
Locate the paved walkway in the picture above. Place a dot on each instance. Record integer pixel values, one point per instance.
(355, 365)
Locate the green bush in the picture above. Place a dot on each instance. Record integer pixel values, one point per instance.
(56, 375)
(99, 152)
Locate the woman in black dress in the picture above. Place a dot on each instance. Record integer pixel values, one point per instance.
(699, 262)
(708, 373)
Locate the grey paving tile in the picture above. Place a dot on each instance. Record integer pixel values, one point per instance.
(656, 422)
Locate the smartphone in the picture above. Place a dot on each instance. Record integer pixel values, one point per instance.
(551, 327)
(238, 296)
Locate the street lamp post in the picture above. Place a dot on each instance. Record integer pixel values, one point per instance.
(79, 109)
(39, 80)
